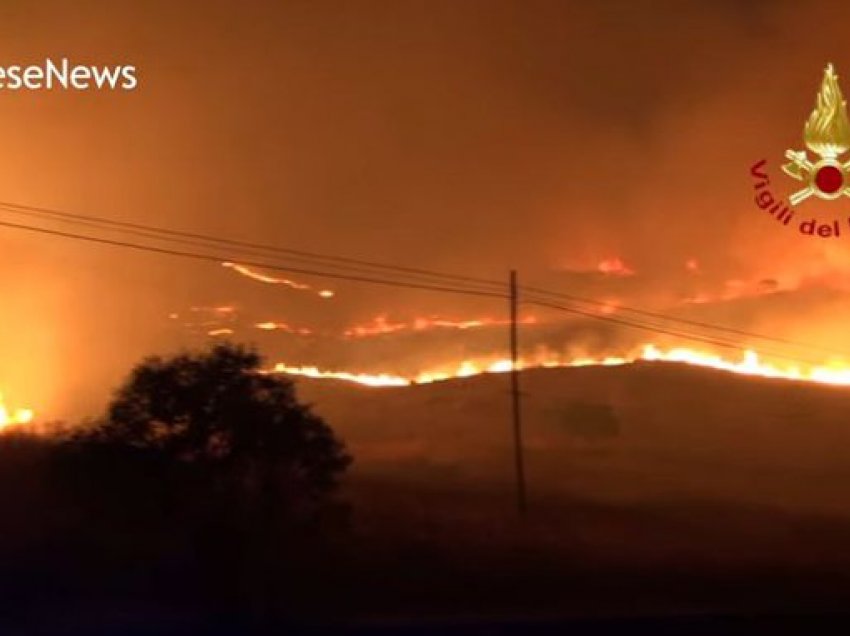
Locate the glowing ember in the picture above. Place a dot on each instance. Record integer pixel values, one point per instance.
(282, 326)
(749, 364)
(12, 418)
(382, 325)
(615, 267)
(253, 274)
(609, 306)
(224, 310)
(735, 289)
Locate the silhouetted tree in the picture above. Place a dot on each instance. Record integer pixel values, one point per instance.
(216, 409)
(219, 450)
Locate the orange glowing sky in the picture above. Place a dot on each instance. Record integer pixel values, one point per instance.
(473, 137)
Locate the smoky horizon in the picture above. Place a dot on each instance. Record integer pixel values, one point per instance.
(601, 151)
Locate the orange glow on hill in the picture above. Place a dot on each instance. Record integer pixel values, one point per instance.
(11, 418)
(381, 325)
(749, 363)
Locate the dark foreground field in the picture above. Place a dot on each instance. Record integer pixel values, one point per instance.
(654, 490)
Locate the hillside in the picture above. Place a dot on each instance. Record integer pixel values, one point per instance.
(648, 431)
(653, 488)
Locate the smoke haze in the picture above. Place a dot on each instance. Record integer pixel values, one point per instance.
(470, 137)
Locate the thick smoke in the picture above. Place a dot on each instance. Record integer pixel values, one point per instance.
(472, 137)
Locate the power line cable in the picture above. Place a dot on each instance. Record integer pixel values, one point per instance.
(270, 266)
(685, 321)
(152, 235)
(257, 249)
(660, 330)
(312, 256)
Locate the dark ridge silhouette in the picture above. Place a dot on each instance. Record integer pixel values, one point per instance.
(207, 500)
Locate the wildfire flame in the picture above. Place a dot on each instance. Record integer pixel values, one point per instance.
(749, 364)
(615, 267)
(382, 325)
(827, 131)
(282, 326)
(253, 274)
(367, 379)
(11, 418)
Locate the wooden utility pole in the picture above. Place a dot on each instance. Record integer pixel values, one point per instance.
(515, 396)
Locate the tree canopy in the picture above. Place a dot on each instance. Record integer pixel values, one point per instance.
(217, 409)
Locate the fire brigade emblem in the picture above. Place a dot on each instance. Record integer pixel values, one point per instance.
(827, 135)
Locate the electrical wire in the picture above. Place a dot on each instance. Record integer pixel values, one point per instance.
(426, 279)
(324, 260)
(684, 321)
(270, 266)
(660, 330)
